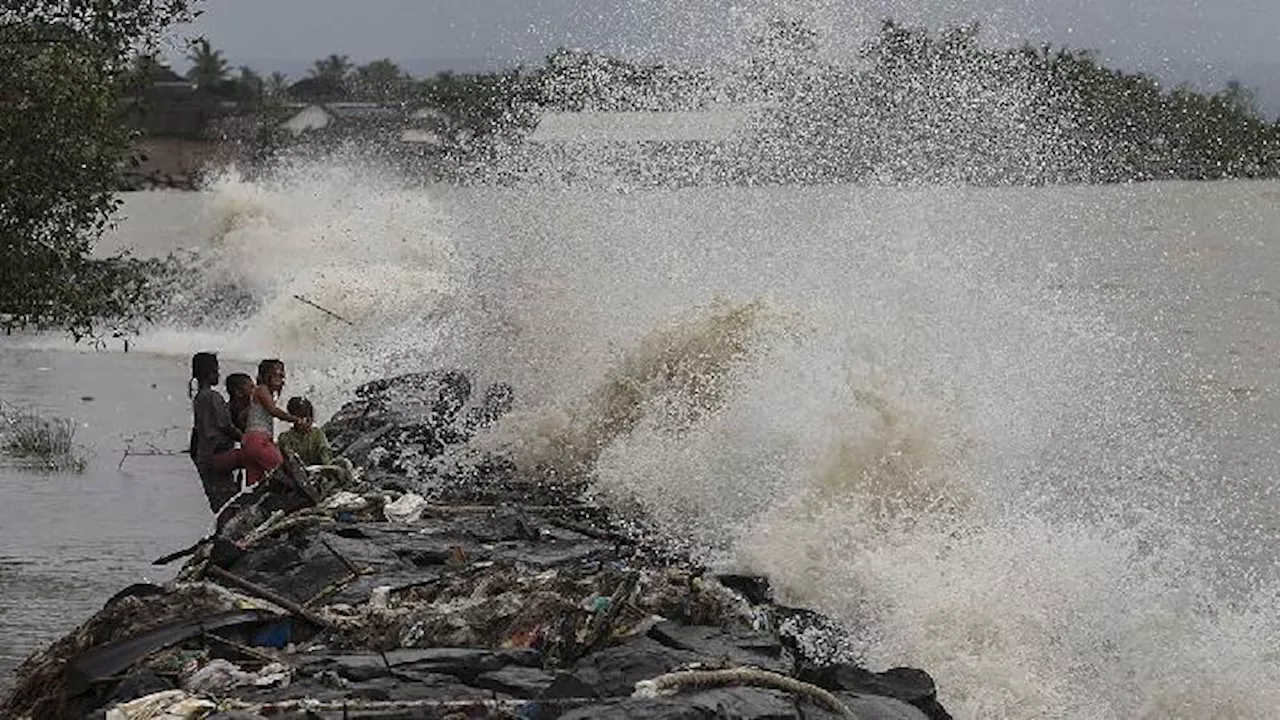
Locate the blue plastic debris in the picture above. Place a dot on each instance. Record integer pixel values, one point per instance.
(274, 635)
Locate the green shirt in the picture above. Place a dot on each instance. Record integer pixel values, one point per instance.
(312, 446)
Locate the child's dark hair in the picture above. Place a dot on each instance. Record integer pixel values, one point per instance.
(203, 366)
(265, 367)
(237, 380)
(301, 407)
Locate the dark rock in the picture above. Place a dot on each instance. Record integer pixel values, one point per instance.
(638, 709)
(404, 683)
(755, 703)
(567, 685)
(812, 638)
(139, 682)
(737, 646)
(909, 685)
(521, 560)
(136, 590)
(429, 401)
(740, 702)
(515, 681)
(462, 663)
(372, 691)
(503, 525)
(357, 450)
(224, 553)
(755, 588)
(865, 707)
(615, 671)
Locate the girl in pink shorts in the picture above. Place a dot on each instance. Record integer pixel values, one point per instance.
(258, 444)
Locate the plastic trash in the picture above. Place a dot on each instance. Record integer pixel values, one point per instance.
(344, 501)
(380, 597)
(406, 509)
(166, 705)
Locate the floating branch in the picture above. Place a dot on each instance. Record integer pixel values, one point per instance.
(149, 448)
(324, 310)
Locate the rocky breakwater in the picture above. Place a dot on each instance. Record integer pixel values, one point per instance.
(397, 585)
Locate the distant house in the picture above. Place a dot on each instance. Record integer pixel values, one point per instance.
(632, 128)
(167, 107)
(344, 119)
(419, 136)
(682, 147)
(309, 118)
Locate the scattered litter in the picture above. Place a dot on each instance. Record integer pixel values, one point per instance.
(344, 501)
(413, 588)
(167, 705)
(405, 509)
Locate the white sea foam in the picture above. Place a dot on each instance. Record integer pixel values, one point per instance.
(895, 403)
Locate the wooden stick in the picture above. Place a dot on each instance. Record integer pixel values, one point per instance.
(326, 311)
(269, 595)
(242, 649)
(332, 589)
(130, 452)
(351, 567)
(182, 553)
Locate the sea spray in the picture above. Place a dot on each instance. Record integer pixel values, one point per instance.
(930, 427)
(942, 430)
(348, 239)
(674, 376)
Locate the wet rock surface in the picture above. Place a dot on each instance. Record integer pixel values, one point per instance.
(396, 586)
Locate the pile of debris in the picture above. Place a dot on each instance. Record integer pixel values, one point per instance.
(389, 587)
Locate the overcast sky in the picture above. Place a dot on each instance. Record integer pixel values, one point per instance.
(1178, 35)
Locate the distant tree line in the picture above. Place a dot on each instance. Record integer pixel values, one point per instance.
(944, 108)
(916, 106)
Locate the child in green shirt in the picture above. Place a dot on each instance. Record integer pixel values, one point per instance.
(311, 445)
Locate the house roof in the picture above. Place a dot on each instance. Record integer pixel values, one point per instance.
(322, 115)
(621, 127)
(362, 110)
(312, 117)
(415, 135)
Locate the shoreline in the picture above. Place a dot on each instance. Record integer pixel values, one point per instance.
(397, 590)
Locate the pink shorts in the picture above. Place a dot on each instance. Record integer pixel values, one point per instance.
(260, 455)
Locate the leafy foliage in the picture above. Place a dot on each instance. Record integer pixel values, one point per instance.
(945, 108)
(916, 106)
(208, 66)
(62, 146)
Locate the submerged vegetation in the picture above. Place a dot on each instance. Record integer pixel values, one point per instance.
(38, 441)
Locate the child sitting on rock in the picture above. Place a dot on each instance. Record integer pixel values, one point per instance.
(309, 442)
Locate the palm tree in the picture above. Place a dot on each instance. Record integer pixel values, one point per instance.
(277, 86)
(327, 79)
(250, 85)
(332, 70)
(208, 66)
(380, 80)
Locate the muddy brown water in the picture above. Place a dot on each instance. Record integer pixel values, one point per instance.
(68, 541)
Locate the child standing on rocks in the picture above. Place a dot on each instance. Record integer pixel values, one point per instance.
(239, 388)
(308, 442)
(213, 435)
(258, 445)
